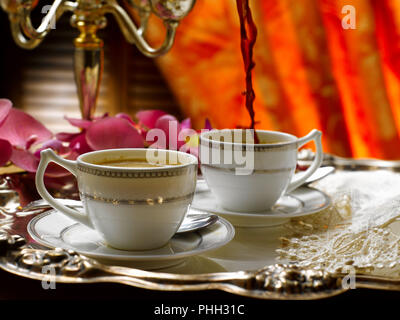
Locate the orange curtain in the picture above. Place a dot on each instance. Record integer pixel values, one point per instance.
(310, 71)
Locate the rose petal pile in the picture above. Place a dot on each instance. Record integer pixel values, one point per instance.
(22, 137)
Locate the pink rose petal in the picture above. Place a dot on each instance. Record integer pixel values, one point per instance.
(5, 107)
(53, 144)
(54, 170)
(5, 152)
(19, 128)
(112, 133)
(171, 128)
(29, 162)
(188, 149)
(24, 159)
(31, 140)
(149, 117)
(186, 124)
(67, 136)
(24, 185)
(80, 123)
(184, 136)
(79, 144)
(207, 124)
(104, 115)
(126, 117)
(58, 183)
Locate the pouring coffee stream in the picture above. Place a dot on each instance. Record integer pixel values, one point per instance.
(248, 35)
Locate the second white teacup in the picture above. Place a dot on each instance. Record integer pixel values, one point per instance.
(248, 177)
(135, 198)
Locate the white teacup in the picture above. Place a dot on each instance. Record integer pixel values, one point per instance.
(133, 208)
(248, 177)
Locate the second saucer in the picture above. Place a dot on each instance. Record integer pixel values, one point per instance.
(300, 202)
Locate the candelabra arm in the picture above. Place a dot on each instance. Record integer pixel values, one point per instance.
(45, 26)
(18, 36)
(28, 37)
(134, 35)
(144, 18)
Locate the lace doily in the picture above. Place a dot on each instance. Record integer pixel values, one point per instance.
(358, 231)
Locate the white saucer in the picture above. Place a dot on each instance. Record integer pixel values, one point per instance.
(53, 229)
(301, 202)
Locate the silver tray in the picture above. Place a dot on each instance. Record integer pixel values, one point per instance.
(246, 266)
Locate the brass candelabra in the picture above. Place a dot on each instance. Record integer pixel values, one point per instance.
(88, 16)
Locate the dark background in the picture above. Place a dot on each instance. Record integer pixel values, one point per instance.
(15, 289)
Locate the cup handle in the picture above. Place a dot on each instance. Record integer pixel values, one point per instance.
(47, 156)
(300, 178)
